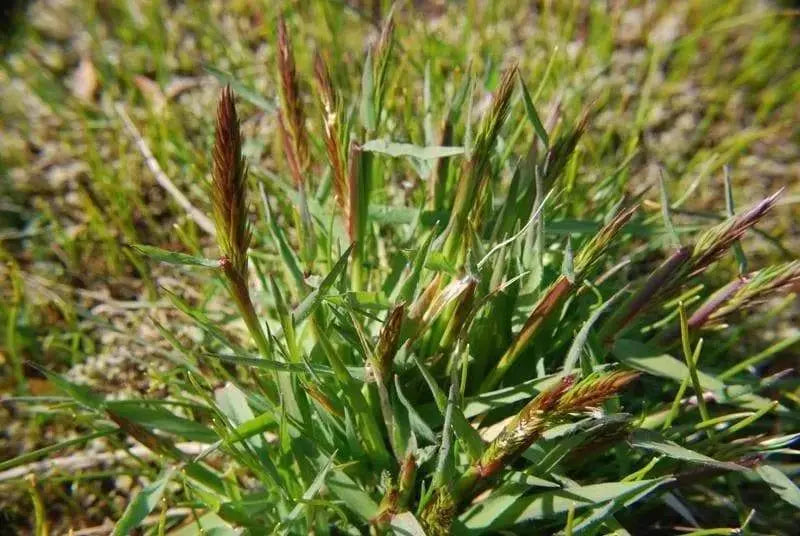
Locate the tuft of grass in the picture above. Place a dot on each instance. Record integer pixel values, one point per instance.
(362, 352)
(342, 424)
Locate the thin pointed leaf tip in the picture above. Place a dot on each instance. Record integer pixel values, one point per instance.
(229, 188)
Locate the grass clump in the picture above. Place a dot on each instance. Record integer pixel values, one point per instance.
(492, 351)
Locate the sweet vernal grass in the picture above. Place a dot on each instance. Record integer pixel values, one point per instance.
(506, 348)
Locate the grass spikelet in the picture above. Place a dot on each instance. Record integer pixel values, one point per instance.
(521, 431)
(323, 400)
(742, 293)
(647, 295)
(553, 297)
(543, 411)
(459, 317)
(406, 480)
(292, 127)
(592, 253)
(475, 169)
(594, 390)
(388, 340)
(228, 192)
(382, 55)
(397, 495)
(560, 151)
(714, 302)
(712, 244)
(229, 186)
(386, 509)
(491, 124)
(291, 115)
(747, 292)
(353, 185)
(437, 517)
(332, 125)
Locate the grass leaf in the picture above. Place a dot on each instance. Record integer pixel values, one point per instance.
(505, 509)
(406, 524)
(653, 441)
(250, 95)
(142, 504)
(780, 484)
(308, 494)
(532, 114)
(173, 257)
(161, 419)
(395, 149)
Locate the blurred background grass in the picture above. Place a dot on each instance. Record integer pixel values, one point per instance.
(679, 87)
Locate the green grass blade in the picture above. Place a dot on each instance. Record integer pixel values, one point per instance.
(533, 115)
(142, 504)
(781, 484)
(247, 93)
(173, 257)
(395, 149)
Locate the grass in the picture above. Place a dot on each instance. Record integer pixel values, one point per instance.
(468, 269)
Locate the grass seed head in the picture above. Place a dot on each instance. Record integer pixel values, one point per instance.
(492, 123)
(525, 428)
(332, 124)
(229, 187)
(476, 167)
(712, 244)
(592, 253)
(437, 517)
(291, 117)
(559, 153)
(548, 408)
(647, 295)
(388, 339)
(408, 473)
(382, 56)
(749, 291)
(594, 390)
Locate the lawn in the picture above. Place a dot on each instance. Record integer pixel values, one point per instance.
(425, 268)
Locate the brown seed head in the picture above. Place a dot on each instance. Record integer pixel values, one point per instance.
(387, 341)
(523, 429)
(749, 291)
(322, 400)
(594, 390)
(408, 472)
(291, 117)
(229, 188)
